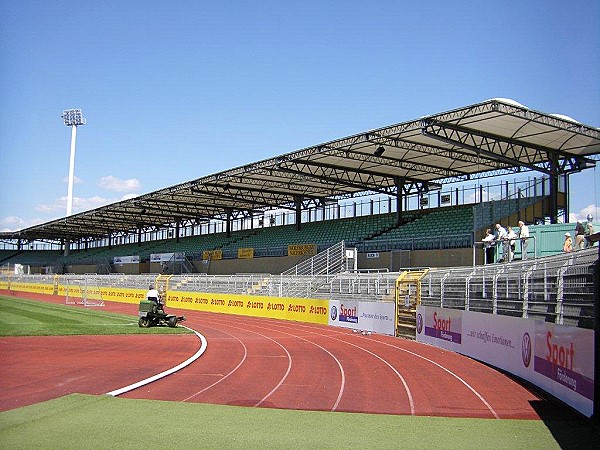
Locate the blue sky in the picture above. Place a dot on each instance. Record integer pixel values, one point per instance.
(176, 90)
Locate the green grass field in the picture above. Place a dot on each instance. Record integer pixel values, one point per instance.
(19, 317)
(99, 422)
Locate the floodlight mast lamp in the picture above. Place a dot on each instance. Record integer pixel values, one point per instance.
(72, 118)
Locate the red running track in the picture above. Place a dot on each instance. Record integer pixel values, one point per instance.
(264, 363)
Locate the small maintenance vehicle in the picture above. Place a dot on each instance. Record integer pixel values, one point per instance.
(152, 313)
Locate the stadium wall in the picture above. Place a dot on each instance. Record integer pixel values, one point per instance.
(274, 265)
(559, 359)
(393, 261)
(398, 260)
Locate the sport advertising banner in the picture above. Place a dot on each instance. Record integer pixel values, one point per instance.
(557, 358)
(369, 316)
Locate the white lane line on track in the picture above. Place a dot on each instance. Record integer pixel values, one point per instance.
(404, 383)
(186, 363)
(289, 368)
(477, 394)
(225, 376)
(287, 372)
(342, 373)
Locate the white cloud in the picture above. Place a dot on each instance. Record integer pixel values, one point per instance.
(56, 210)
(129, 196)
(583, 213)
(84, 204)
(79, 204)
(115, 184)
(13, 223)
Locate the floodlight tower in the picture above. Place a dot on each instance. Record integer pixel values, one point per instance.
(72, 118)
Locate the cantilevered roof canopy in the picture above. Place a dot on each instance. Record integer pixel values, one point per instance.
(494, 137)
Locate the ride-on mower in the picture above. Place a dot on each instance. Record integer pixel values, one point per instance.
(153, 314)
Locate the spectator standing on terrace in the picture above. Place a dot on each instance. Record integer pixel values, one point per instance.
(501, 237)
(588, 232)
(524, 235)
(579, 236)
(568, 245)
(488, 246)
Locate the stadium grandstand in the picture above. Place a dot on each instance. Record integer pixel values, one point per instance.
(387, 191)
(387, 222)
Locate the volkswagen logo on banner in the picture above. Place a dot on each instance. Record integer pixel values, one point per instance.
(419, 323)
(333, 312)
(526, 349)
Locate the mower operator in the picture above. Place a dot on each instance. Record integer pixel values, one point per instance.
(152, 294)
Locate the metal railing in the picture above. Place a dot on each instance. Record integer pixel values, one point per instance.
(557, 289)
(376, 286)
(499, 249)
(330, 261)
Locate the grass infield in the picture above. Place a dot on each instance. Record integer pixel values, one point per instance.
(19, 317)
(99, 422)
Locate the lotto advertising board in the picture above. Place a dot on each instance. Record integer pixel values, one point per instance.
(369, 316)
(299, 309)
(557, 358)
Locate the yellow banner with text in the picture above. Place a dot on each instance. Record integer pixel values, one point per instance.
(212, 254)
(299, 309)
(245, 253)
(302, 249)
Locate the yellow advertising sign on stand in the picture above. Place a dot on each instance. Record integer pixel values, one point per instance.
(302, 249)
(212, 254)
(245, 253)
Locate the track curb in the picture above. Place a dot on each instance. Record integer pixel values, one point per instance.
(158, 376)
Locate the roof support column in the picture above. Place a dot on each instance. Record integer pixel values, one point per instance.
(177, 226)
(399, 182)
(228, 222)
(298, 203)
(553, 207)
(567, 207)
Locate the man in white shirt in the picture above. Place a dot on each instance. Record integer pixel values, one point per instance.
(524, 235)
(501, 237)
(152, 294)
(511, 236)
